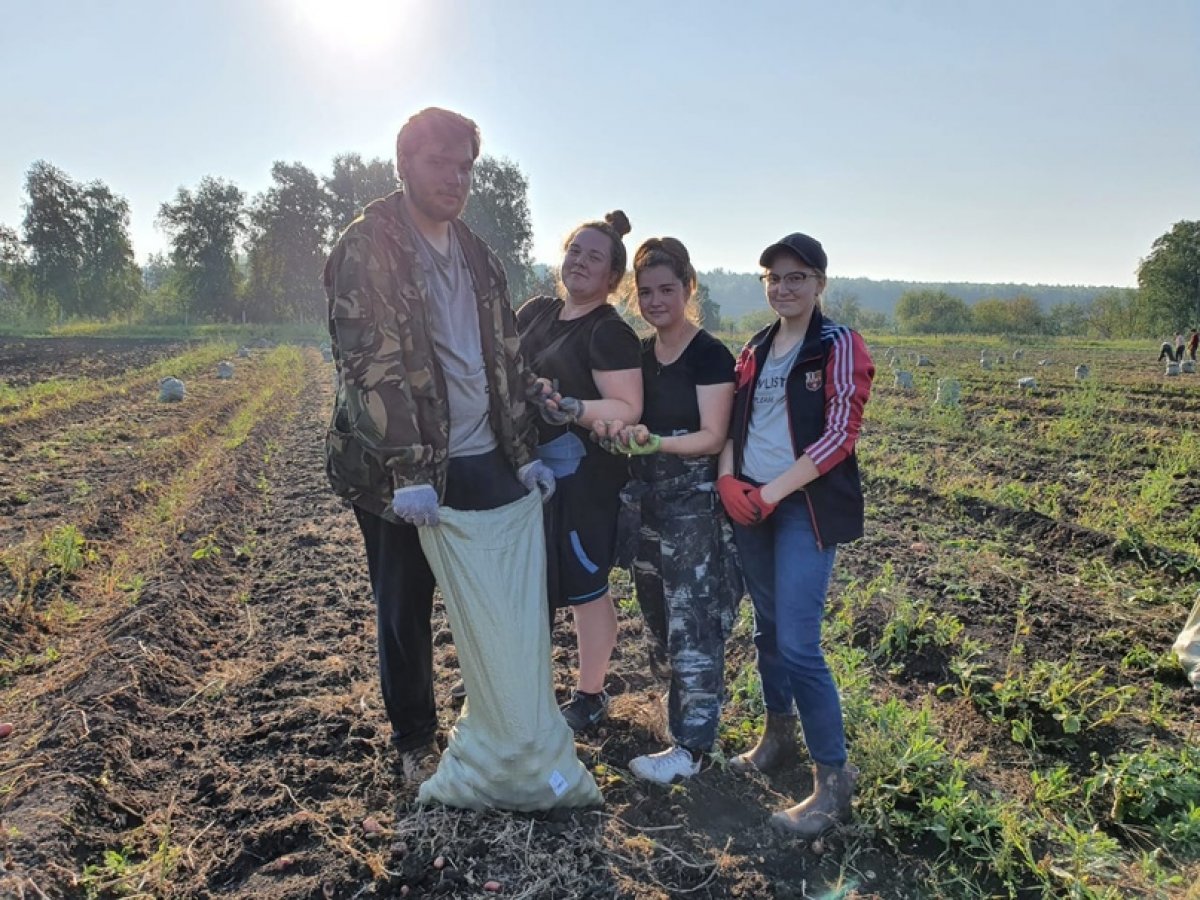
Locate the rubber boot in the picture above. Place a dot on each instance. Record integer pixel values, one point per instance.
(827, 806)
(775, 748)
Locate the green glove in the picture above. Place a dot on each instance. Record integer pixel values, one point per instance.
(652, 445)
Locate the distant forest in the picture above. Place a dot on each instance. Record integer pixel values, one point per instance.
(739, 293)
(234, 257)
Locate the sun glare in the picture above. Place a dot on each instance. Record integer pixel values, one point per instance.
(367, 26)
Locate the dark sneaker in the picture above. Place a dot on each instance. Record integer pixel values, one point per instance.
(419, 764)
(458, 690)
(584, 711)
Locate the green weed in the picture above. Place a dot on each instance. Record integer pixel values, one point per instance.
(65, 550)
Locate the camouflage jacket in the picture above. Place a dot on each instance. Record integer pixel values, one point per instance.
(391, 422)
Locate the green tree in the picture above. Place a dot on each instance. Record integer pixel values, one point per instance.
(842, 306)
(204, 227)
(1025, 315)
(932, 312)
(81, 253)
(757, 320)
(990, 316)
(498, 211)
(1115, 314)
(1169, 280)
(710, 309)
(14, 274)
(1017, 315)
(111, 280)
(1067, 319)
(353, 184)
(156, 272)
(53, 227)
(544, 283)
(289, 225)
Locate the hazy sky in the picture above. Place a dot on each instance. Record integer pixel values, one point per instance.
(936, 140)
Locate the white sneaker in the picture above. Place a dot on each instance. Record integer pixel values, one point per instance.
(665, 766)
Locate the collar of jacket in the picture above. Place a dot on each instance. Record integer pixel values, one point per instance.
(388, 211)
(810, 347)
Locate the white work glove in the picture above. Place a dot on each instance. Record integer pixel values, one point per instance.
(416, 504)
(537, 475)
(569, 410)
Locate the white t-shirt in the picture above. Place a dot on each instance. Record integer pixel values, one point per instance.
(769, 451)
(454, 326)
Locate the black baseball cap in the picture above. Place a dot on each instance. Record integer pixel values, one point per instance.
(809, 250)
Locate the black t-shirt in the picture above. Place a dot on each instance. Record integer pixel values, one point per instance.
(671, 405)
(570, 350)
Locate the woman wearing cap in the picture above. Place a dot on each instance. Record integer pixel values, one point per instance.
(789, 481)
(685, 568)
(584, 345)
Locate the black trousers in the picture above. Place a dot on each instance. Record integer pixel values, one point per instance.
(402, 585)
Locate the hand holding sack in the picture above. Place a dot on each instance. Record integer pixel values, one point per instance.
(416, 504)
(537, 474)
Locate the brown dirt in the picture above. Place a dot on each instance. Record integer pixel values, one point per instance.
(225, 735)
(26, 361)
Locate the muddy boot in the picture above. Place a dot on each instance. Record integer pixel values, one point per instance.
(827, 806)
(418, 765)
(775, 748)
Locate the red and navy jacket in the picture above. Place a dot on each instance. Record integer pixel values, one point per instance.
(826, 391)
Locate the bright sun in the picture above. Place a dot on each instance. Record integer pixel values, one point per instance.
(365, 25)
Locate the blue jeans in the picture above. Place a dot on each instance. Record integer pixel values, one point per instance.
(787, 576)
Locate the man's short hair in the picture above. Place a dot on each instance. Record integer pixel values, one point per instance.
(435, 124)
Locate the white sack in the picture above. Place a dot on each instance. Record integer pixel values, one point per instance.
(511, 748)
(1187, 646)
(171, 390)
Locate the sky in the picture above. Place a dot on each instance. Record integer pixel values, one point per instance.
(1029, 141)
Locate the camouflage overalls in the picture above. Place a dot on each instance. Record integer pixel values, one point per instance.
(688, 583)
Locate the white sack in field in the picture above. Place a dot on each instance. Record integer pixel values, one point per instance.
(1187, 646)
(511, 748)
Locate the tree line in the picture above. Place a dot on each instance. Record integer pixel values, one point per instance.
(230, 258)
(234, 258)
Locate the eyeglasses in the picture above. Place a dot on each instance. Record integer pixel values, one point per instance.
(793, 281)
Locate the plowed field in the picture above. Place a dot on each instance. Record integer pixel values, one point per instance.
(187, 657)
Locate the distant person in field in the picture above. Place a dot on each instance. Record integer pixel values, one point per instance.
(431, 406)
(1171, 351)
(1192, 344)
(582, 343)
(789, 481)
(685, 565)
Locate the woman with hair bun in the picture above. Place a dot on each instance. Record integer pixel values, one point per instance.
(685, 566)
(583, 345)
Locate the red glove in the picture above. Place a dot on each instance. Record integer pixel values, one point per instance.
(734, 494)
(762, 508)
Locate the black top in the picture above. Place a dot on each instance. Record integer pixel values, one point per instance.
(571, 350)
(671, 405)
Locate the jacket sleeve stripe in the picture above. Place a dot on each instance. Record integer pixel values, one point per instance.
(848, 371)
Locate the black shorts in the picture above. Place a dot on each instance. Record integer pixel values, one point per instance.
(581, 537)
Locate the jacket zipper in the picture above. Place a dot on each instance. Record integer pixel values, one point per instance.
(796, 450)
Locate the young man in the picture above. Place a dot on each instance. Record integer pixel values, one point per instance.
(431, 405)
